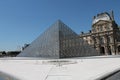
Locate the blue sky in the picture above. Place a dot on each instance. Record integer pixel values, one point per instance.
(22, 21)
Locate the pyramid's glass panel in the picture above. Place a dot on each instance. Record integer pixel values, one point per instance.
(58, 41)
(46, 45)
(71, 45)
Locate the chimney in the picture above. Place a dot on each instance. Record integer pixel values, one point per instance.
(112, 15)
(82, 32)
(89, 31)
(94, 17)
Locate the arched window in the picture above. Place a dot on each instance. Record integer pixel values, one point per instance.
(101, 40)
(95, 40)
(109, 41)
(100, 28)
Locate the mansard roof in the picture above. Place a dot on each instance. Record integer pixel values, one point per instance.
(103, 16)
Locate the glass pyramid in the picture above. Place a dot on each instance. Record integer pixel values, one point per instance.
(58, 41)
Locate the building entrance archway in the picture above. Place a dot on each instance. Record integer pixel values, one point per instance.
(102, 50)
(109, 50)
(119, 49)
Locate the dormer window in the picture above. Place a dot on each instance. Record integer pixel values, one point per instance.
(108, 28)
(100, 28)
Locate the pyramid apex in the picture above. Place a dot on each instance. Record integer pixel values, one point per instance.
(59, 21)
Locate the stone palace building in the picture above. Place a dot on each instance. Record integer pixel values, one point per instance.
(104, 35)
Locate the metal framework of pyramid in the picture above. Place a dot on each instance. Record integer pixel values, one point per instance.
(58, 41)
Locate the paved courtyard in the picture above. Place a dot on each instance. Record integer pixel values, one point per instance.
(84, 68)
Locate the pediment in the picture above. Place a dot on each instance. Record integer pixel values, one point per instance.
(101, 22)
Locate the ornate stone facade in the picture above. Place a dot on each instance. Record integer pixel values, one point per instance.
(105, 34)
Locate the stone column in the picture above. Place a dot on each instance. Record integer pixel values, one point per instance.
(113, 50)
(106, 50)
